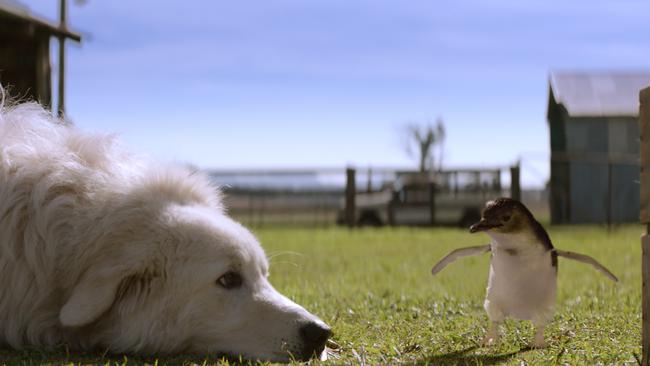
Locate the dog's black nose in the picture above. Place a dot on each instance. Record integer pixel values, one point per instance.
(314, 335)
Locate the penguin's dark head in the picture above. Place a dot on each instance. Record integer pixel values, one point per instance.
(503, 215)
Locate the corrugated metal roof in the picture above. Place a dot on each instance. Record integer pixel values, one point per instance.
(592, 94)
(17, 10)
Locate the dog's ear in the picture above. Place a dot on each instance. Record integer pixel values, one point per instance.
(94, 294)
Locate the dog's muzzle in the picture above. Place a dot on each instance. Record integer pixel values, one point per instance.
(314, 335)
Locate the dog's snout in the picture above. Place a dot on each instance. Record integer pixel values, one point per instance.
(314, 335)
(313, 332)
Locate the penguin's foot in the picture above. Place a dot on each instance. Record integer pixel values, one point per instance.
(539, 341)
(492, 336)
(489, 341)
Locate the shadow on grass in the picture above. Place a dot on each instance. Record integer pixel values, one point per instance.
(468, 357)
(62, 356)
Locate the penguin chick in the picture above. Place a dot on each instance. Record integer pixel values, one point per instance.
(522, 282)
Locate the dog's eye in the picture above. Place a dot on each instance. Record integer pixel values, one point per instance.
(230, 280)
(506, 218)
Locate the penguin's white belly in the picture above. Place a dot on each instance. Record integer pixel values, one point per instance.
(521, 285)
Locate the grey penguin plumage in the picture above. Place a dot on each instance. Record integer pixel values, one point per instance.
(522, 281)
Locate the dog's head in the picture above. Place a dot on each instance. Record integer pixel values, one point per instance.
(188, 279)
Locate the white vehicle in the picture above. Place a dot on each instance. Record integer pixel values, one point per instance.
(453, 197)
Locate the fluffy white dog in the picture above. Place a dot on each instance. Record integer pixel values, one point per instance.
(100, 249)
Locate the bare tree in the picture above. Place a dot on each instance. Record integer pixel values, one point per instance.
(421, 140)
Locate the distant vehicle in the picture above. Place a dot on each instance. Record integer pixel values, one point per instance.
(452, 197)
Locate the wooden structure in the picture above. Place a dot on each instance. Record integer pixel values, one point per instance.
(594, 146)
(350, 196)
(515, 182)
(307, 197)
(412, 198)
(644, 216)
(325, 196)
(25, 53)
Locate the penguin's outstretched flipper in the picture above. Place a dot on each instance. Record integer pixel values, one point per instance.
(458, 253)
(587, 259)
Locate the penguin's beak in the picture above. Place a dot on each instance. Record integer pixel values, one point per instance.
(483, 225)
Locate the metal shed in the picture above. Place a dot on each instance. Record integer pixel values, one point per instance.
(25, 51)
(593, 120)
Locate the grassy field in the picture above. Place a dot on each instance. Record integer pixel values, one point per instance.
(374, 288)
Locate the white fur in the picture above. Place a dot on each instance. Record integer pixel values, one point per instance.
(523, 285)
(101, 249)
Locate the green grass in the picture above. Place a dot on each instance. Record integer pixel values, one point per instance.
(374, 288)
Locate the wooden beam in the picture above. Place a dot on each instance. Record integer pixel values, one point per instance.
(33, 24)
(432, 203)
(350, 197)
(644, 216)
(644, 155)
(645, 301)
(43, 73)
(515, 182)
(62, 25)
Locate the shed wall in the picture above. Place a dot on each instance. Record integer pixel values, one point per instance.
(559, 195)
(588, 192)
(624, 136)
(587, 135)
(597, 152)
(625, 193)
(25, 61)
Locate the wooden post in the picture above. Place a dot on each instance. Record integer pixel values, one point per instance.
(644, 216)
(62, 25)
(432, 202)
(43, 73)
(645, 300)
(350, 197)
(515, 184)
(369, 183)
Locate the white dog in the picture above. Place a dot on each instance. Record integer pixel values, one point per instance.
(100, 249)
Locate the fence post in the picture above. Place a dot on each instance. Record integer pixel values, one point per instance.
(350, 197)
(369, 183)
(644, 216)
(432, 203)
(515, 184)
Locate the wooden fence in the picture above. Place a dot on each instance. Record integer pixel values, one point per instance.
(294, 197)
(304, 197)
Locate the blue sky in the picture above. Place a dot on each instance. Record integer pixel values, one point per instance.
(251, 84)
